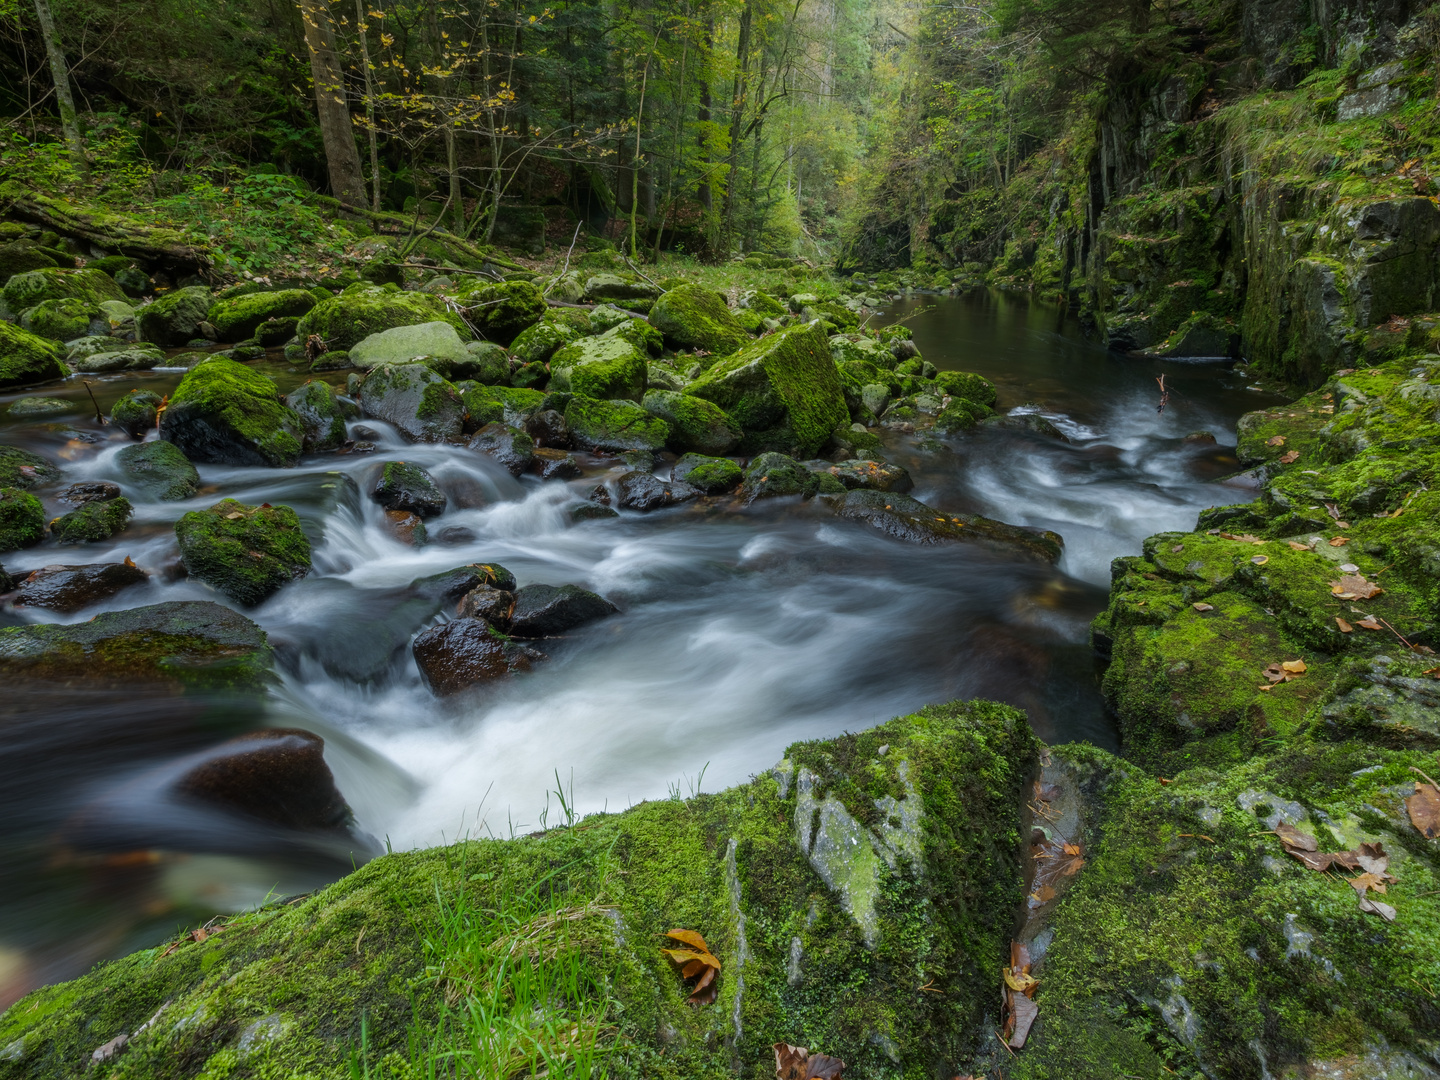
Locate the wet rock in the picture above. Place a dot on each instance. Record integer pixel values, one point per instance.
(160, 470)
(275, 332)
(875, 475)
(423, 405)
(911, 520)
(967, 386)
(449, 587)
(485, 363)
(26, 290)
(645, 491)
(81, 347)
(229, 414)
(774, 475)
(694, 317)
(140, 357)
(322, 423)
(959, 415)
(30, 408)
(70, 588)
(712, 475)
(542, 610)
(407, 526)
(137, 413)
(455, 536)
(1033, 423)
(614, 425)
(435, 344)
(343, 321)
(26, 359)
(88, 491)
(403, 486)
(591, 511)
(277, 775)
(22, 519)
(174, 318)
(548, 428)
(530, 376)
(334, 360)
(509, 447)
(246, 552)
(62, 320)
(23, 469)
(501, 311)
(540, 342)
(554, 465)
(238, 318)
(93, 522)
(488, 603)
(465, 653)
(189, 643)
(695, 424)
(606, 368)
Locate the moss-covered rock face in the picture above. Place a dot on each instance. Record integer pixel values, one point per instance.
(159, 470)
(614, 425)
(174, 318)
(31, 408)
(321, 421)
(501, 311)
(237, 318)
(484, 362)
(608, 368)
(967, 386)
(26, 359)
(344, 321)
(829, 888)
(138, 357)
(424, 406)
(246, 552)
(620, 288)
(93, 522)
(88, 286)
(538, 343)
(712, 475)
(782, 390)
(136, 413)
(191, 644)
(22, 519)
(695, 424)
(22, 256)
(59, 320)
(226, 413)
(639, 333)
(694, 317)
(23, 469)
(433, 343)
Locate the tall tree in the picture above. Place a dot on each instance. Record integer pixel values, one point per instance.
(342, 157)
(60, 72)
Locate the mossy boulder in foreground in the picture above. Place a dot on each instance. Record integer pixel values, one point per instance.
(174, 318)
(344, 321)
(22, 519)
(159, 470)
(27, 359)
(610, 368)
(782, 390)
(830, 888)
(95, 521)
(229, 414)
(238, 317)
(423, 405)
(694, 317)
(247, 552)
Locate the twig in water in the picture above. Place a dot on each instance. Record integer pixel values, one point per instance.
(98, 415)
(1164, 395)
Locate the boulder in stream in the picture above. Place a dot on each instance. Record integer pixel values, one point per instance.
(712, 475)
(22, 519)
(277, 775)
(450, 586)
(36, 286)
(93, 521)
(465, 653)
(405, 486)
(646, 491)
(237, 318)
(23, 469)
(614, 425)
(322, 421)
(508, 447)
(160, 470)
(246, 552)
(71, 588)
(229, 414)
(174, 318)
(435, 344)
(911, 520)
(425, 406)
(607, 368)
(137, 357)
(694, 317)
(343, 321)
(695, 424)
(543, 610)
(136, 413)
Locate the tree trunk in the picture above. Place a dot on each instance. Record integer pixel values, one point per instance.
(60, 72)
(703, 116)
(369, 106)
(737, 117)
(342, 158)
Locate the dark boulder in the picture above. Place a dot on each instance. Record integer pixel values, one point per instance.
(94, 521)
(407, 526)
(22, 469)
(458, 655)
(450, 586)
(71, 588)
(278, 776)
(246, 552)
(910, 520)
(488, 603)
(85, 491)
(875, 475)
(227, 413)
(403, 486)
(551, 464)
(507, 446)
(136, 413)
(646, 491)
(160, 470)
(711, 475)
(423, 405)
(542, 610)
(548, 428)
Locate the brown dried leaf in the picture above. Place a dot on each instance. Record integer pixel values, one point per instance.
(1345, 627)
(1339, 541)
(1275, 440)
(1260, 560)
(691, 938)
(1369, 623)
(1354, 586)
(1046, 792)
(1292, 837)
(1023, 1011)
(1377, 907)
(693, 968)
(790, 1061)
(705, 988)
(1276, 674)
(1294, 667)
(1203, 607)
(1424, 807)
(1314, 860)
(1295, 546)
(823, 1067)
(1372, 857)
(1367, 880)
(1289, 457)
(1244, 538)
(1020, 981)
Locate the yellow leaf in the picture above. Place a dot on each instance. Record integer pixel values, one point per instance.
(1295, 667)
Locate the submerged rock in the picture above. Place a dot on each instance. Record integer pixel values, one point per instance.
(229, 414)
(403, 486)
(159, 470)
(246, 552)
(23, 469)
(277, 775)
(911, 520)
(543, 610)
(136, 413)
(70, 588)
(35, 407)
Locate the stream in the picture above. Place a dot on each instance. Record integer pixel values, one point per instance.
(742, 630)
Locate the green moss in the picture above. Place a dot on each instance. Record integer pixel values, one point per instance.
(536, 344)
(320, 416)
(22, 519)
(174, 318)
(967, 386)
(237, 318)
(160, 469)
(343, 321)
(608, 368)
(226, 412)
(695, 424)
(58, 320)
(26, 359)
(711, 475)
(960, 415)
(246, 552)
(501, 311)
(93, 522)
(614, 425)
(694, 317)
(136, 412)
(36, 286)
(23, 469)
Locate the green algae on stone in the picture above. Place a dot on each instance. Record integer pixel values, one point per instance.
(536, 344)
(694, 317)
(22, 519)
(174, 318)
(58, 320)
(23, 469)
(27, 359)
(501, 311)
(159, 470)
(36, 286)
(136, 413)
(712, 475)
(237, 318)
(782, 390)
(695, 424)
(422, 404)
(194, 644)
(93, 522)
(321, 420)
(246, 552)
(433, 343)
(614, 425)
(227, 413)
(607, 368)
(734, 865)
(28, 408)
(343, 321)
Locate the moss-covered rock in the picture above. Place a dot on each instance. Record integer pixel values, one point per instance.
(433, 343)
(600, 288)
(695, 424)
(536, 344)
(321, 420)
(645, 338)
(23, 469)
(30, 408)
(967, 386)
(903, 518)
(22, 519)
(344, 321)
(424, 406)
(21, 256)
(237, 318)
(501, 311)
(712, 475)
(246, 552)
(136, 413)
(36, 286)
(175, 318)
(188, 645)
(607, 368)
(93, 522)
(782, 390)
(159, 470)
(137, 357)
(227, 413)
(694, 317)
(26, 359)
(961, 415)
(59, 320)
(830, 888)
(614, 425)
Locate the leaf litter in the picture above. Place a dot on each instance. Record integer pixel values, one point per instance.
(797, 1063)
(1424, 808)
(695, 961)
(1369, 859)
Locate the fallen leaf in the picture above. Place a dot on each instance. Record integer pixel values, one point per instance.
(1260, 560)
(1424, 807)
(1377, 907)
(823, 1067)
(1177, 549)
(1349, 568)
(1367, 880)
(1292, 837)
(1345, 627)
(790, 1061)
(1339, 541)
(1019, 980)
(1276, 674)
(1275, 440)
(1299, 547)
(1023, 1012)
(1369, 623)
(1372, 857)
(690, 937)
(1046, 792)
(1289, 457)
(1295, 667)
(695, 961)
(129, 562)
(1203, 607)
(1355, 587)
(1314, 860)
(1244, 538)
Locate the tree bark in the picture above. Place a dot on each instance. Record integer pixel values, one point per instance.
(703, 192)
(60, 72)
(342, 158)
(369, 105)
(737, 117)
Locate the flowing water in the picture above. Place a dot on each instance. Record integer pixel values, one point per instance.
(741, 631)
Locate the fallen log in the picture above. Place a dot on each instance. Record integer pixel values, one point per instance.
(121, 233)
